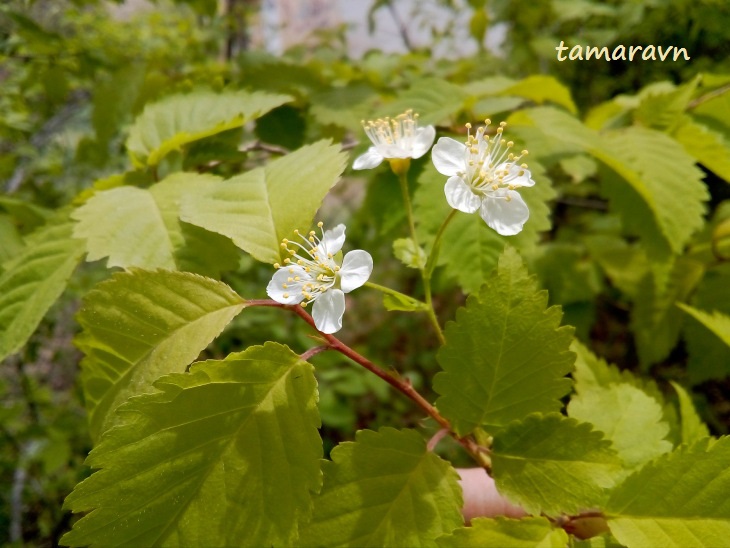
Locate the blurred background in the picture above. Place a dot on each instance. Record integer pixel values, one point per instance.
(74, 73)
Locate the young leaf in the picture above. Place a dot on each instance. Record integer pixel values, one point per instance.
(227, 455)
(405, 251)
(506, 533)
(402, 303)
(178, 120)
(385, 489)
(140, 325)
(261, 207)
(33, 280)
(552, 464)
(506, 355)
(140, 227)
(679, 500)
(693, 429)
(629, 417)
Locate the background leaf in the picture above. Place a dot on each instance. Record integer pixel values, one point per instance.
(34, 279)
(141, 325)
(178, 120)
(506, 533)
(260, 207)
(385, 489)
(505, 355)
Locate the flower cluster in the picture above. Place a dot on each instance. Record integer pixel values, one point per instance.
(312, 273)
(395, 138)
(483, 175)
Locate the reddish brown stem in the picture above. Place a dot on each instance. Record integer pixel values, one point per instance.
(403, 386)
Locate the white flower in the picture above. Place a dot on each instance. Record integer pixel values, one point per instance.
(483, 176)
(399, 137)
(312, 274)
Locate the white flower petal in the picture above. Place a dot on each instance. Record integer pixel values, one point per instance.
(372, 158)
(460, 196)
(506, 217)
(449, 156)
(514, 177)
(332, 240)
(293, 289)
(356, 269)
(327, 311)
(423, 141)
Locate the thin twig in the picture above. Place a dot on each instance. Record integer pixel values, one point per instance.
(707, 96)
(402, 30)
(305, 356)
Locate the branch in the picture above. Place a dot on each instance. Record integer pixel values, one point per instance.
(402, 385)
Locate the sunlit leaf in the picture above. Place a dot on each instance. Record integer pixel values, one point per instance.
(680, 500)
(506, 533)
(693, 429)
(385, 489)
(141, 227)
(33, 279)
(226, 455)
(552, 464)
(261, 207)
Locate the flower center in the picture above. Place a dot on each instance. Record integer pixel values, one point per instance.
(387, 131)
(490, 166)
(320, 268)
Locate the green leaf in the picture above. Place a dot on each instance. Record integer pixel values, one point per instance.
(406, 251)
(178, 120)
(693, 429)
(141, 325)
(664, 177)
(709, 355)
(226, 455)
(433, 99)
(34, 279)
(402, 303)
(664, 109)
(552, 464)
(470, 249)
(505, 355)
(259, 208)
(140, 227)
(9, 236)
(384, 489)
(680, 500)
(624, 264)
(629, 417)
(344, 106)
(659, 191)
(716, 322)
(541, 88)
(706, 146)
(656, 322)
(506, 533)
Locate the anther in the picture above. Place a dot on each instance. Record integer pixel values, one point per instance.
(277, 265)
(320, 224)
